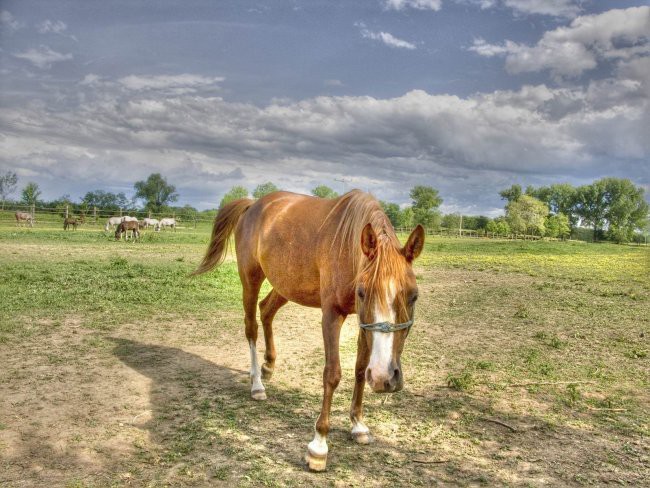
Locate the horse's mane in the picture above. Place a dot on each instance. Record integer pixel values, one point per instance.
(357, 209)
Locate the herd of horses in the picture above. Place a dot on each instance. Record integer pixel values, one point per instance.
(124, 225)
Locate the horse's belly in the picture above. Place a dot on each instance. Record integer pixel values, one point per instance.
(295, 284)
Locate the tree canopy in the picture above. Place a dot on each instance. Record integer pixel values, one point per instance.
(30, 193)
(527, 215)
(8, 182)
(264, 189)
(156, 192)
(105, 200)
(235, 193)
(324, 191)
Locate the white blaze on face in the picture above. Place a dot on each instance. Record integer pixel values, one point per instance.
(382, 342)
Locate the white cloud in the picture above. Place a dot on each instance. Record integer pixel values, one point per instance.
(556, 8)
(180, 83)
(51, 26)
(9, 22)
(570, 51)
(43, 57)
(386, 38)
(415, 4)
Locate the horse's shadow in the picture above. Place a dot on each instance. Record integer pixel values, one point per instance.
(201, 410)
(198, 404)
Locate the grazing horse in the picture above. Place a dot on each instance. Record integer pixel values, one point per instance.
(150, 222)
(70, 221)
(24, 217)
(168, 222)
(124, 227)
(111, 222)
(340, 255)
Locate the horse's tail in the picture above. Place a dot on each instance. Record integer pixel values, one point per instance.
(224, 225)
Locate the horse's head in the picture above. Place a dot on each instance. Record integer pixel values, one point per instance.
(118, 231)
(386, 293)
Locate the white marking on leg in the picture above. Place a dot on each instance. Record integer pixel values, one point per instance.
(256, 372)
(358, 427)
(318, 446)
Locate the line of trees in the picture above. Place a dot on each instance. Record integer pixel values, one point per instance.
(612, 208)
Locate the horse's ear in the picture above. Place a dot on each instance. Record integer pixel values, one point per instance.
(369, 241)
(415, 243)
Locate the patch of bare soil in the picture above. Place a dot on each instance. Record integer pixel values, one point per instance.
(167, 403)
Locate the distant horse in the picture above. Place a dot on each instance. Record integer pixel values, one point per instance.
(24, 217)
(111, 222)
(127, 218)
(71, 221)
(124, 227)
(340, 255)
(150, 222)
(168, 222)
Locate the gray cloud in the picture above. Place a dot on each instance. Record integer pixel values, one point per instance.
(569, 51)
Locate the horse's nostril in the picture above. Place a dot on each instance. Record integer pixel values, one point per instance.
(396, 374)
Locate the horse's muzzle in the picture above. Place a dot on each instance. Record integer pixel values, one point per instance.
(385, 383)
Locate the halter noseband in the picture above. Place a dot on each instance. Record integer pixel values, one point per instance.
(386, 326)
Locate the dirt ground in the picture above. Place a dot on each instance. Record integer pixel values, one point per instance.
(160, 402)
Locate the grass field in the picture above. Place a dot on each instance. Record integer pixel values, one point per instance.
(527, 366)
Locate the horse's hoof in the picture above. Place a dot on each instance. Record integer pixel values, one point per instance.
(258, 395)
(266, 372)
(316, 462)
(362, 437)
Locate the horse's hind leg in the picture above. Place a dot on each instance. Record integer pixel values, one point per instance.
(252, 281)
(268, 308)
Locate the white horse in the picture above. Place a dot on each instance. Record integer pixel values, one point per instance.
(127, 218)
(168, 222)
(150, 222)
(112, 221)
(24, 217)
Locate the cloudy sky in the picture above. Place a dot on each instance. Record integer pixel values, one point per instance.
(468, 96)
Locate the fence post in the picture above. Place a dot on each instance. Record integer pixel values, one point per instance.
(66, 211)
(120, 211)
(33, 211)
(95, 215)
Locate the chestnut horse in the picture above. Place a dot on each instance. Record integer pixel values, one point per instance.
(340, 255)
(125, 227)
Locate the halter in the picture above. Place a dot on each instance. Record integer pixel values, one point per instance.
(386, 326)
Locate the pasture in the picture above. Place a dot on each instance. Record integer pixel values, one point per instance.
(527, 366)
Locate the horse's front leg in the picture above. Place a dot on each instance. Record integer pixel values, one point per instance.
(317, 449)
(360, 432)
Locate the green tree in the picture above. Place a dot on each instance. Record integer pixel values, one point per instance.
(498, 226)
(392, 211)
(8, 182)
(511, 194)
(324, 191)
(557, 225)
(30, 193)
(625, 210)
(451, 222)
(156, 192)
(235, 193)
(590, 206)
(264, 189)
(105, 200)
(407, 218)
(426, 201)
(560, 197)
(526, 215)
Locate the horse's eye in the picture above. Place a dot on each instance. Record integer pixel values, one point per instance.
(361, 293)
(414, 298)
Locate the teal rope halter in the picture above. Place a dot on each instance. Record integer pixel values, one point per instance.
(386, 326)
